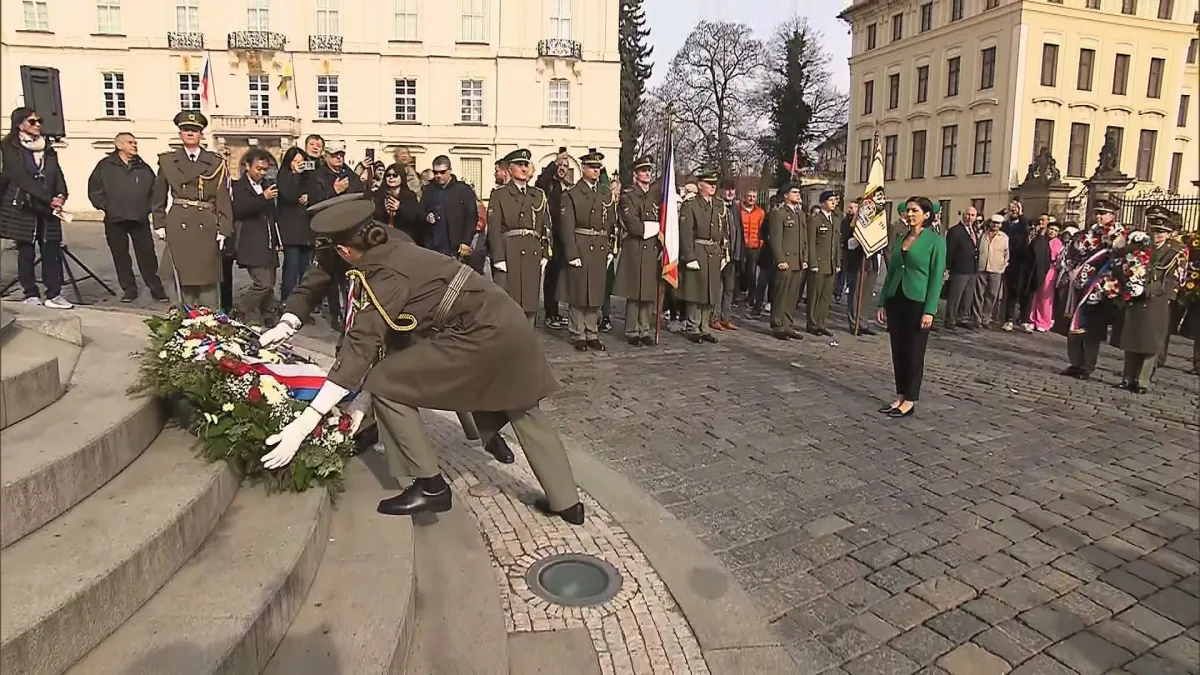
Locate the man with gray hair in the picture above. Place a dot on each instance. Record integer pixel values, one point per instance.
(451, 212)
(121, 186)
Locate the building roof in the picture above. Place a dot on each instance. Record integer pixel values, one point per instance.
(836, 138)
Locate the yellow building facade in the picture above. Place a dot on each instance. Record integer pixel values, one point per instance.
(471, 79)
(964, 93)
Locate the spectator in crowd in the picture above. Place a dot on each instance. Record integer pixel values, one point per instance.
(256, 237)
(330, 179)
(734, 246)
(554, 180)
(396, 204)
(122, 186)
(909, 301)
(1018, 228)
(450, 212)
(412, 178)
(1045, 250)
(753, 218)
(292, 219)
(30, 213)
(962, 265)
(993, 261)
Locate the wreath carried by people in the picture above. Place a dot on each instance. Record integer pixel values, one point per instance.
(1131, 268)
(1189, 282)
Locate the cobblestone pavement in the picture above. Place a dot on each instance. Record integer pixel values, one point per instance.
(1020, 522)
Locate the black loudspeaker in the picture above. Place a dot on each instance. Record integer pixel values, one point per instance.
(42, 93)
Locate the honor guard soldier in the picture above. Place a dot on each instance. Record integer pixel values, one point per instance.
(824, 262)
(639, 270)
(1148, 317)
(788, 238)
(428, 332)
(200, 217)
(588, 217)
(518, 225)
(702, 222)
(1083, 348)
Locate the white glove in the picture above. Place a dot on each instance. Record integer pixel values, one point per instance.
(544, 261)
(220, 241)
(852, 244)
(284, 330)
(503, 266)
(358, 410)
(575, 263)
(693, 265)
(650, 234)
(287, 441)
(161, 233)
(610, 258)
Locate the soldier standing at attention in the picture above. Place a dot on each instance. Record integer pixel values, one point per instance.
(518, 225)
(789, 248)
(201, 216)
(639, 271)
(1148, 316)
(588, 216)
(702, 222)
(824, 262)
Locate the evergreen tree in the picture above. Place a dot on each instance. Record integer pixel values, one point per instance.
(790, 113)
(635, 70)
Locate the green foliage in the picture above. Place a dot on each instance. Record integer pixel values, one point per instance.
(790, 113)
(636, 69)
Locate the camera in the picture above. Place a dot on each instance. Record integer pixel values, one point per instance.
(308, 165)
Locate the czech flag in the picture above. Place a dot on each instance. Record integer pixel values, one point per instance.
(668, 214)
(206, 80)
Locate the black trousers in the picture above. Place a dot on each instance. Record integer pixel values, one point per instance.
(226, 283)
(119, 234)
(1018, 297)
(52, 265)
(908, 345)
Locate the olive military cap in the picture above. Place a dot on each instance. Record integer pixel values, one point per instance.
(520, 156)
(191, 120)
(343, 218)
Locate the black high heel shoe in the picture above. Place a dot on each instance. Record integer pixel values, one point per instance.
(896, 413)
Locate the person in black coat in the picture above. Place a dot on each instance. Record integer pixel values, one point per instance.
(554, 181)
(396, 204)
(1017, 295)
(256, 238)
(330, 179)
(962, 264)
(451, 212)
(292, 219)
(34, 193)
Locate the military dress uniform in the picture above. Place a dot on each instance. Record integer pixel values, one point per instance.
(1147, 318)
(199, 220)
(788, 239)
(429, 332)
(588, 219)
(1083, 349)
(518, 225)
(702, 223)
(824, 260)
(639, 269)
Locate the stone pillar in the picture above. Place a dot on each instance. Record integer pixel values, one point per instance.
(1043, 190)
(1107, 181)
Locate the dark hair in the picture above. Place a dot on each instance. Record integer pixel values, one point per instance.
(366, 238)
(922, 203)
(18, 116)
(310, 137)
(728, 184)
(442, 160)
(285, 164)
(256, 155)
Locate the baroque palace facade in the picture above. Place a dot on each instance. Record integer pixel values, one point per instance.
(963, 94)
(471, 79)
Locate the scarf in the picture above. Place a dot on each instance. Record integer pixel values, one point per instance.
(36, 146)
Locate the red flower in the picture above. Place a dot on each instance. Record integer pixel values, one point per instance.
(344, 423)
(319, 431)
(255, 395)
(232, 366)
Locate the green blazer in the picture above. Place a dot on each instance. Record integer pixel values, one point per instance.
(921, 277)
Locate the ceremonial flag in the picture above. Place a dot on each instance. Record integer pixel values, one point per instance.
(870, 226)
(668, 217)
(794, 167)
(206, 80)
(285, 80)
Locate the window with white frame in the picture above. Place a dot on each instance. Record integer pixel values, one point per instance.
(560, 19)
(258, 15)
(189, 91)
(328, 18)
(560, 102)
(470, 171)
(406, 99)
(37, 14)
(327, 97)
(405, 21)
(260, 95)
(474, 21)
(108, 17)
(472, 101)
(114, 94)
(187, 16)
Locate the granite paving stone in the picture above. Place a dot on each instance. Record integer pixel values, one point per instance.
(922, 644)
(882, 661)
(957, 625)
(1150, 623)
(1043, 665)
(971, 659)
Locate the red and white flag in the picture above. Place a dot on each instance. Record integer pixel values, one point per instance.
(668, 214)
(206, 80)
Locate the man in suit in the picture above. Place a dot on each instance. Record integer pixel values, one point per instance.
(200, 217)
(588, 216)
(962, 263)
(824, 262)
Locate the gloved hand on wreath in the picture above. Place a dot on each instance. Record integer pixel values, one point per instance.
(288, 326)
(693, 265)
(289, 439)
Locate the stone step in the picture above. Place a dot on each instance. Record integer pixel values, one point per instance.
(228, 608)
(360, 612)
(29, 376)
(460, 626)
(56, 457)
(56, 323)
(71, 583)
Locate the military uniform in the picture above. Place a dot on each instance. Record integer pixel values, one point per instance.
(588, 218)
(824, 260)
(1147, 318)
(788, 240)
(1083, 349)
(199, 220)
(702, 225)
(518, 236)
(428, 332)
(639, 269)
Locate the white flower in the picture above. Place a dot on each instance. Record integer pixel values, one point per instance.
(228, 407)
(273, 396)
(337, 437)
(212, 419)
(162, 354)
(189, 345)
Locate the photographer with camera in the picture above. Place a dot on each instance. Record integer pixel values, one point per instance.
(292, 215)
(554, 180)
(256, 237)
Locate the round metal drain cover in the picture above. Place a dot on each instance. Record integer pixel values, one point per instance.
(574, 580)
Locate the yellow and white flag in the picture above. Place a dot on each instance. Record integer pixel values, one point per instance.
(285, 80)
(870, 226)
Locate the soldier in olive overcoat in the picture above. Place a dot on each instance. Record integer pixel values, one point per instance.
(639, 268)
(430, 332)
(587, 220)
(788, 239)
(518, 227)
(1147, 318)
(702, 223)
(200, 217)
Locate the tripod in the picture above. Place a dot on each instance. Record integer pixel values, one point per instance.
(67, 258)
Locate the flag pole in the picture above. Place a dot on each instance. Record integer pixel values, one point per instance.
(862, 278)
(662, 285)
(212, 79)
(292, 84)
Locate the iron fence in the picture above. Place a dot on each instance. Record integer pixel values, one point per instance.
(1133, 208)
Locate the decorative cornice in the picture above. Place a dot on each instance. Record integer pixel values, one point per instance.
(559, 48)
(1118, 108)
(980, 102)
(1049, 99)
(181, 41)
(1152, 111)
(1083, 104)
(257, 40)
(325, 43)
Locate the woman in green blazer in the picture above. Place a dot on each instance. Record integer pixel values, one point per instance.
(909, 300)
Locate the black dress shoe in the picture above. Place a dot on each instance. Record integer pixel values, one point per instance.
(366, 439)
(573, 515)
(863, 330)
(634, 341)
(647, 341)
(581, 346)
(797, 335)
(1123, 384)
(695, 338)
(825, 332)
(813, 331)
(1083, 375)
(896, 413)
(498, 448)
(605, 325)
(709, 337)
(596, 345)
(415, 499)
(1072, 371)
(782, 335)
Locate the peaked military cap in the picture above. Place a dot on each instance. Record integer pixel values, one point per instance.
(191, 120)
(645, 162)
(519, 156)
(1161, 219)
(334, 201)
(1105, 205)
(707, 175)
(593, 158)
(343, 218)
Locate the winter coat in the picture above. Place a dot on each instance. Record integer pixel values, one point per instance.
(255, 236)
(29, 192)
(122, 191)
